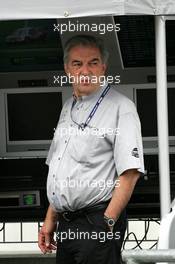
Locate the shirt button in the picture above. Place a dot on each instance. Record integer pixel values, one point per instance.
(54, 175)
(59, 158)
(65, 141)
(53, 193)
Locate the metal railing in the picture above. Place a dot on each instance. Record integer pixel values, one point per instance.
(135, 238)
(148, 256)
(141, 237)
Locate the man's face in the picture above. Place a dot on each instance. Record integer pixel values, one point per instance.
(86, 67)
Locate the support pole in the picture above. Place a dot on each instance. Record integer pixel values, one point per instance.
(162, 114)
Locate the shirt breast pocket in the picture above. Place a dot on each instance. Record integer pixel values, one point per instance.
(81, 145)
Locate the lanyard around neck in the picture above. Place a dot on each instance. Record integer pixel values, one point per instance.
(94, 109)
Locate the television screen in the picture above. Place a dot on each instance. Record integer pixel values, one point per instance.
(137, 41)
(33, 116)
(147, 110)
(30, 45)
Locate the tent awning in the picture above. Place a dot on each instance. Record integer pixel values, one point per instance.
(23, 9)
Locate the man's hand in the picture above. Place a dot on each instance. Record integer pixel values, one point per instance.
(46, 234)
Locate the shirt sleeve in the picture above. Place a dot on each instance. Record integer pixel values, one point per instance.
(128, 148)
(50, 153)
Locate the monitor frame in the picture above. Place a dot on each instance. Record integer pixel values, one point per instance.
(26, 148)
(150, 144)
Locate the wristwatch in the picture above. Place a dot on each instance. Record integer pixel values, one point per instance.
(110, 222)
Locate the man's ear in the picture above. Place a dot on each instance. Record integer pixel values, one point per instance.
(66, 69)
(104, 67)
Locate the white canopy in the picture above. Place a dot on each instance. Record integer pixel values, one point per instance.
(25, 9)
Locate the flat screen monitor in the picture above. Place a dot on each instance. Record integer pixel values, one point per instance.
(136, 41)
(31, 116)
(147, 110)
(146, 102)
(30, 46)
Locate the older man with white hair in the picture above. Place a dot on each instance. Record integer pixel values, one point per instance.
(105, 148)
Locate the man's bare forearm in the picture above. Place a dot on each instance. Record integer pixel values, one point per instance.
(46, 234)
(122, 193)
(51, 215)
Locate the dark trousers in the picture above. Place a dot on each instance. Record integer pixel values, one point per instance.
(88, 240)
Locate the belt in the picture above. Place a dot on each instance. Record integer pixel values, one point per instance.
(69, 215)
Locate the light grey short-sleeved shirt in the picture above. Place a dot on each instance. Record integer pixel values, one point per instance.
(84, 165)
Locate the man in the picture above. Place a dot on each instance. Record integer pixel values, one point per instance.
(106, 148)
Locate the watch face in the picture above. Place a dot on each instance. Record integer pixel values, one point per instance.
(111, 222)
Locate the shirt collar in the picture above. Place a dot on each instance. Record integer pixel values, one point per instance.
(91, 96)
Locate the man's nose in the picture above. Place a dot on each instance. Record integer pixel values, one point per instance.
(85, 70)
